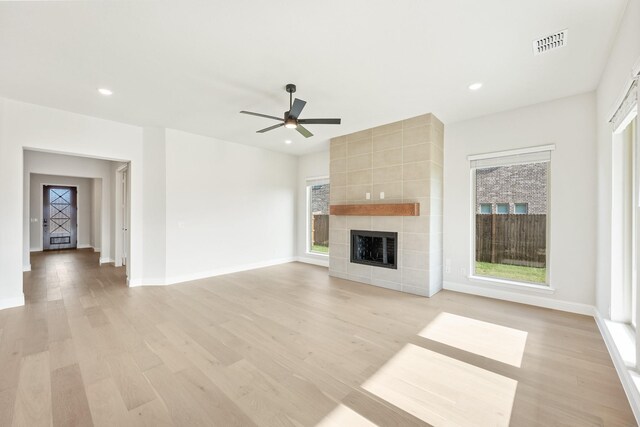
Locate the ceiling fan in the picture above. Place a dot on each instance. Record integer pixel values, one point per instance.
(291, 118)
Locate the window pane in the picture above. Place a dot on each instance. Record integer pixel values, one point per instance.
(319, 222)
(485, 208)
(521, 208)
(502, 208)
(512, 246)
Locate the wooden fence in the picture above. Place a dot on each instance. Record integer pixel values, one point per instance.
(320, 230)
(512, 239)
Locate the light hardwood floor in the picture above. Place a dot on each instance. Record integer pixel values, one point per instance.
(289, 346)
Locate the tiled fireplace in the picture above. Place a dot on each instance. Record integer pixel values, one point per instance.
(397, 163)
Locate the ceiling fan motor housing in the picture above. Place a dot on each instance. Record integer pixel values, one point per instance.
(289, 122)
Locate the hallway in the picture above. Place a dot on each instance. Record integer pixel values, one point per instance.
(76, 272)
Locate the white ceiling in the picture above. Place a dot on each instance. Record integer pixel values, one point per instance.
(194, 65)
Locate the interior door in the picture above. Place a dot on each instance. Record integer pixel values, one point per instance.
(125, 217)
(59, 219)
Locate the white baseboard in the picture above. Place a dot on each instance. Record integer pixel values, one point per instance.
(36, 249)
(146, 282)
(96, 250)
(11, 302)
(314, 261)
(26, 267)
(85, 246)
(106, 260)
(572, 307)
(629, 386)
(211, 273)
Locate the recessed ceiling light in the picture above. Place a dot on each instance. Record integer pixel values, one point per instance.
(475, 86)
(288, 141)
(105, 91)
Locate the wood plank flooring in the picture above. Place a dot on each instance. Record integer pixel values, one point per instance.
(290, 346)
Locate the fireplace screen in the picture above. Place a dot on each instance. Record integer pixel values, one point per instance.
(376, 248)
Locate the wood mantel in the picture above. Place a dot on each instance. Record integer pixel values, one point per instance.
(380, 209)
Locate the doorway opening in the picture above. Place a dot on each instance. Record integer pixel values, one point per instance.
(80, 199)
(122, 217)
(59, 219)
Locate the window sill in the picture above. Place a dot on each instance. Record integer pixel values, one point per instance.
(322, 254)
(512, 284)
(624, 338)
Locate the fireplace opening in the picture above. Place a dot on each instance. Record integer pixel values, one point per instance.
(376, 248)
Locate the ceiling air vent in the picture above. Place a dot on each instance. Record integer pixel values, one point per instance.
(550, 42)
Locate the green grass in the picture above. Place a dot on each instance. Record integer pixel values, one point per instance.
(512, 272)
(319, 248)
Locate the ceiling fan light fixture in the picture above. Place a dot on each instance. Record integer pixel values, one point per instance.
(290, 123)
(291, 118)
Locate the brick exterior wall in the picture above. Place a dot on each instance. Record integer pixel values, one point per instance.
(513, 184)
(320, 199)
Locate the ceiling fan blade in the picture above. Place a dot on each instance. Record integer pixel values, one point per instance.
(320, 121)
(304, 131)
(280, 119)
(270, 128)
(296, 108)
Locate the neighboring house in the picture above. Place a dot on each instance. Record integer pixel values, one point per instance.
(518, 189)
(320, 199)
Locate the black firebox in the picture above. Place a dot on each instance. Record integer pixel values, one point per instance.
(377, 248)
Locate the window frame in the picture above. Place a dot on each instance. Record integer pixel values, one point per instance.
(622, 312)
(624, 307)
(542, 287)
(310, 182)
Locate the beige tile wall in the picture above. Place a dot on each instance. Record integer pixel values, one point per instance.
(404, 160)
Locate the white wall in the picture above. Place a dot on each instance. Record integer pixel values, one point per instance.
(229, 206)
(96, 211)
(84, 204)
(226, 206)
(82, 167)
(28, 126)
(624, 54)
(312, 165)
(568, 123)
(155, 205)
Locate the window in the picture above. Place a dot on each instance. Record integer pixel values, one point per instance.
(512, 247)
(502, 208)
(625, 233)
(485, 208)
(521, 208)
(318, 214)
(624, 236)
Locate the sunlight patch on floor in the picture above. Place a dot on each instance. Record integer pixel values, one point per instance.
(345, 416)
(496, 342)
(443, 391)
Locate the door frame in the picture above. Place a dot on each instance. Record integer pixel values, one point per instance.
(122, 216)
(41, 211)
